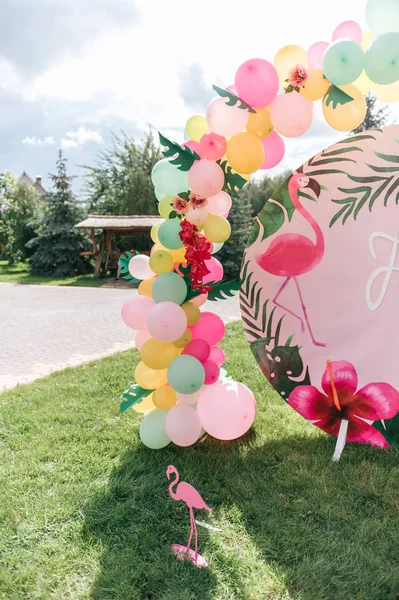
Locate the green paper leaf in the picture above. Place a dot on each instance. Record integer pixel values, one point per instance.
(232, 181)
(389, 429)
(185, 156)
(336, 96)
(184, 195)
(123, 265)
(223, 289)
(132, 396)
(233, 100)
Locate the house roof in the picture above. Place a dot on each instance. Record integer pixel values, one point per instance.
(26, 181)
(143, 222)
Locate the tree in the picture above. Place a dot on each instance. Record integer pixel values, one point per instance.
(375, 116)
(58, 245)
(121, 184)
(258, 192)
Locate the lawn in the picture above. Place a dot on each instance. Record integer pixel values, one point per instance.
(85, 510)
(19, 273)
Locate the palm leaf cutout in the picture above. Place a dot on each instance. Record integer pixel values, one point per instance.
(123, 265)
(223, 289)
(232, 181)
(335, 96)
(233, 100)
(389, 429)
(133, 396)
(185, 157)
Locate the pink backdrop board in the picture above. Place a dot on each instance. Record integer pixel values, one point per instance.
(335, 296)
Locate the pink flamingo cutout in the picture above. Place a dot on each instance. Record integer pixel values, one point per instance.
(193, 499)
(290, 254)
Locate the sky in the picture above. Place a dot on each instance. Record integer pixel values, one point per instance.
(72, 72)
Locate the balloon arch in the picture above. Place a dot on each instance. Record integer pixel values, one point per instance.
(181, 387)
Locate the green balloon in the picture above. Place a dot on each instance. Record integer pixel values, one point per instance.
(343, 62)
(169, 287)
(168, 234)
(153, 431)
(186, 374)
(382, 16)
(159, 195)
(168, 179)
(382, 59)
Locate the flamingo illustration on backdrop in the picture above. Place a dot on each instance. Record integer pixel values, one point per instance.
(290, 254)
(188, 494)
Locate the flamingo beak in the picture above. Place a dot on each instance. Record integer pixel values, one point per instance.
(315, 186)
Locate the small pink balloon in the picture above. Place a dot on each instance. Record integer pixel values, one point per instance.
(291, 114)
(225, 120)
(315, 55)
(183, 425)
(200, 349)
(199, 300)
(205, 178)
(135, 311)
(348, 30)
(166, 321)
(257, 82)
(210, 327)
(197, 216)
(220, 204)
(215, 270)
(212, 372)
(212, 146)
(194, 146)
(274, 148)
(141, 338)
(188, 398)
(217, 356)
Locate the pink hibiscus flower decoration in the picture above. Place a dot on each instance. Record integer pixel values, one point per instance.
(341, 400)
(180, 206)
(297, 76)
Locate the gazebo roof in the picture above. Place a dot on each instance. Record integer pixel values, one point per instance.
(134, 222)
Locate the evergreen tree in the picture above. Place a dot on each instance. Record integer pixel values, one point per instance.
(375, 116)
(58, 245)
(240, 218)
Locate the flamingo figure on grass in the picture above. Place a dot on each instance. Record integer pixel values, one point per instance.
(193, 499)
(291, 254)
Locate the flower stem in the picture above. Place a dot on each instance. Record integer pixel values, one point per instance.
(341, 440)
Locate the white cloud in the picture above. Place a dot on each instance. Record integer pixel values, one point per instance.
(78, 138)
(35, 141)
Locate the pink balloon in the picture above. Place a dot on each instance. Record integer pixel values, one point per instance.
(212, 372)
(349, 30)
(226, 410)
(217, 356)
(141, 338)
(194, 146)
(210, 327)
(220, 204)
(183, 425)
(189, 398)
(166, 321)
(225, 120)
(274, 148)
(212, 146)
(135, 311)
(232, 89)
(315, 55)
(197, 216)
(257, 82)
(291, 114)
(215, 270)
(200, 349)
(199, 300)
(205, 178)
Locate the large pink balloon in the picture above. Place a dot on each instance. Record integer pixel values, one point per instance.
(205, 178)
(315, 55)
(220, 204)
(217, 356)
(141, 338)
(183, 425)
(135, 311)
(257, 82)
(274, 148)
(215, 270)
(200, 349)
(349, 30)
(291, 114)
(210, 327)
(194, 146)
(226, 410)
(166, 321)
(212, 146)
(225, 120)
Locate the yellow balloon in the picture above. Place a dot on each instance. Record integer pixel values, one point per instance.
(386, 93)
(346, 117)
(164, 398)
(184, 340)
(316, 86)
(287, 58)
(154, 233)
(193, 313)
(259, 122)
(145, 287)
(245, 152)
(196, 127)
(165, 206)
(157, 355)
(145, 406)
(363, 83)
(217, 229)
(150, 379)
(161, 261)
(367, 39)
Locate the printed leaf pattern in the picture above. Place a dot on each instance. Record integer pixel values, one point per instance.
(123, 265)
(232, 181)
(233, 100)
(184, 158)
(133, 396)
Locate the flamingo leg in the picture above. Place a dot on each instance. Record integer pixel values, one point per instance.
(290, 312)
(305, 314)
(196, 541)
(192, 524)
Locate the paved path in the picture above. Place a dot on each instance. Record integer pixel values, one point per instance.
(48, 328)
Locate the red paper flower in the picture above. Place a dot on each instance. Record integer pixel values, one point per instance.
(297, 76)
(373, 402)
(198, 250)
(197, 201)
(180, 205)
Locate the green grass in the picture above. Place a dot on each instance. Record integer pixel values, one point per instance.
(19, 273)
(85, 511)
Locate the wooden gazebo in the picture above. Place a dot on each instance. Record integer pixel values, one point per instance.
(106, 252)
